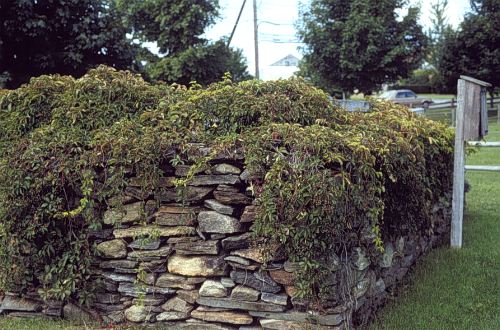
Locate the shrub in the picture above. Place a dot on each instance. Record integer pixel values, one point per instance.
(329, 180)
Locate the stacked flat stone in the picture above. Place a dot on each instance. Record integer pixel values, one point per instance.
(203, 269)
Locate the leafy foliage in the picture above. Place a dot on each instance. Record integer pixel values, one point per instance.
(204, 63)
(324, 180)
(64, 36)
(359, 44)
(174, 25)
(473, 49)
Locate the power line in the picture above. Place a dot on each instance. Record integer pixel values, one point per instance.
(236, 24)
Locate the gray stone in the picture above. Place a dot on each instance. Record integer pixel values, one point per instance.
(10, 302)
(168, 280)
(182, 170)
(108, 298)
(210, 179)
(213, 222)
(360, 260)
(327, 320)
(118, 277)
(225, 169)
(174, 219)
(235, 304)
(218, 207)
(154, 266)
(198, 247)
(132, 290)
(125, 214)
(138, 313)
(148, 255)
(211, 288)
(249, 214)
(116, 317)
(245, 175)
(114, 249)
(137, 193)
(282, 277)
(126, 270)
(188, 295)
(279, 299)
(145, 244)
(257, 280)
(128, 264)
(29, 315)
(401, 245)
(197, 265)
(388, 255)
(238, 260)
(291, 266)
(74, 313)
(227, 282)
(175, 240)
(172, 316)
(190, 194)
(229, 196)
(237, 242)
(149, 300)
(281, 324)
(148, 278)
(361, 287)
(176, 304)
(231, 317)
(154, 231)
(245, 293)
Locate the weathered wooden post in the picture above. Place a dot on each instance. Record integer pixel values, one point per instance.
(471, 124)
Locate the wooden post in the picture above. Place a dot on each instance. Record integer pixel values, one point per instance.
(458, 170)
(498, 114)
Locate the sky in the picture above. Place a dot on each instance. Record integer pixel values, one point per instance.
(277, 34)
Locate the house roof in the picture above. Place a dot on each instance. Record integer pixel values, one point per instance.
(288, 60)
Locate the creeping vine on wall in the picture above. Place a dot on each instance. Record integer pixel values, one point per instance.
(324, 180)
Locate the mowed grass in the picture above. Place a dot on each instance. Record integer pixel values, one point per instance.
(449, 289)
(459, 289)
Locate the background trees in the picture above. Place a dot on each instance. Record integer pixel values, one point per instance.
(359, 44)
(71, 36)
(176, 26)
(60, 36)
(474, 49)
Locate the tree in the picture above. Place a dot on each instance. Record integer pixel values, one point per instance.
(176, 26)
(203, 63)
(473, 50)
(60, 36)
(359, 44)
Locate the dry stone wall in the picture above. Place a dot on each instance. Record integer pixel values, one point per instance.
(196, 266)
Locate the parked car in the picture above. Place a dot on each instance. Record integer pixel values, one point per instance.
(406, 97)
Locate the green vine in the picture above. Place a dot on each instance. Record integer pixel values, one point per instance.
(324, 180)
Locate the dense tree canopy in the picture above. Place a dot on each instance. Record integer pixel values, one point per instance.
(473, 50)
(203, 63)
(59, 36)
(360, 44)
(174, 25)
(71, 36)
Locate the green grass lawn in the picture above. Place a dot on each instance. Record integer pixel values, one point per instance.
(449, 289)
(459, 289)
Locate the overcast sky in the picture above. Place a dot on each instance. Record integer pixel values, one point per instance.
(277, 41)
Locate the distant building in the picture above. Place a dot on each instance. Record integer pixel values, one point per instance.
(288, 60)
(281, 69)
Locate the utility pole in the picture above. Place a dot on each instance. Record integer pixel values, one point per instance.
(236, 24)
(256, 39)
